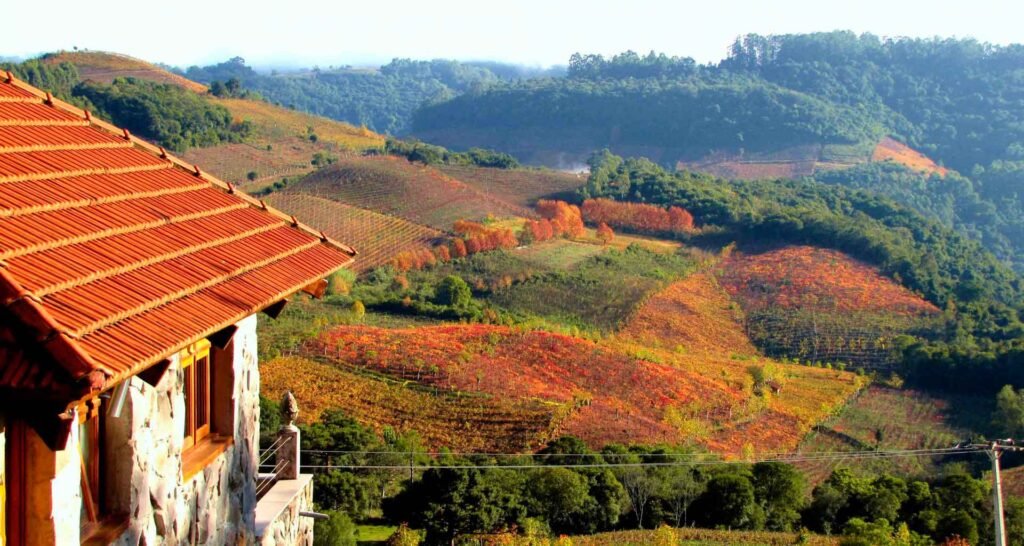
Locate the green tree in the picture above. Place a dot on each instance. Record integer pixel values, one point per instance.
(1008, 417)
(729, 502)
(454, 291)
(779, 489)
(557, 495)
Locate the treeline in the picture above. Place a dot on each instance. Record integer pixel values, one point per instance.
(548, 499)
(641, 217)
(697, 114)
(173, 117)
(429, 154)
(980, 347)
(383, 100)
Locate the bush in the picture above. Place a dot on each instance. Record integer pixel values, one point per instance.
(337, 530)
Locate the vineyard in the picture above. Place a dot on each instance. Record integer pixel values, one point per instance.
(586, 389)
(815, 304)
(522, 187)
(377, 237)
(461, 421)
(420, 194)
(103, 67)
(274, 123)
(694, 315)
(887, 418)
(893, 150)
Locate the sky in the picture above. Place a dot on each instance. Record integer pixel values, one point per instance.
(284, 33)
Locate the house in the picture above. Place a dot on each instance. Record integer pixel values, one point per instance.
(129, 285)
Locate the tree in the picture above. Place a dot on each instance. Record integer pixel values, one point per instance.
(1008, 417)
(640, 488)
(358, 309)
(729, 502)
(251, 176)
(454, 291)
(605, 233)
(681, 486)
(557, 495)
(779, 489)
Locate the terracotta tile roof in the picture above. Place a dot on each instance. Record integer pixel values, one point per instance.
(114, 254)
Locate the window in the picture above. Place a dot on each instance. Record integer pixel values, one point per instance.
(195, 363)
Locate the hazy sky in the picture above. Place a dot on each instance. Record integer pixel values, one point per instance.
(535, 32)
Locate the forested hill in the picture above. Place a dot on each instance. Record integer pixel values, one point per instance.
(382, 99)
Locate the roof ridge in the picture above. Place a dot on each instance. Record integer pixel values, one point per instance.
(174, 296)
(18, 99)
(10, 179)
(118, 231)
(153, 260)
(177, 162)
(61, 147)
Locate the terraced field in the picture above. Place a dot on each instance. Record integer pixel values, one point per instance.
(377, 237)
(420, 194)
(522, 187)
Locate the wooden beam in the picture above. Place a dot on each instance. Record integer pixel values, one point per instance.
(275, 309)
(155, 373)
(222, 338)
(316, 289)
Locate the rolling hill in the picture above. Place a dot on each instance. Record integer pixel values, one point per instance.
(414, 192)
(282, 141)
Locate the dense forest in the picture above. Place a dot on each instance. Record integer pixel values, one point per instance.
(382, 100)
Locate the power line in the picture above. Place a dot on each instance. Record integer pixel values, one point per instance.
(808, 457)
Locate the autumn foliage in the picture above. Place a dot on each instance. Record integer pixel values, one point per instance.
(637, 216)
(605, 233)
(558, 219)
(806, 277)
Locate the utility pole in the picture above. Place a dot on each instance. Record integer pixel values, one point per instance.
(995, 450)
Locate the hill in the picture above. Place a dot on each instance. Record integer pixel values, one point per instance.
(377, 237)
(608, 396)
(105, 67)
(394, 186)
(277, 142)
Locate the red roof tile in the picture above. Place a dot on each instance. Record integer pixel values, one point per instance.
(114, 255)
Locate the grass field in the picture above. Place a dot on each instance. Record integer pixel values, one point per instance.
(522, 187)
(420, 194)
(377, 237)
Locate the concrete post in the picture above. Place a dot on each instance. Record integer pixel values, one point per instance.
(287, 467)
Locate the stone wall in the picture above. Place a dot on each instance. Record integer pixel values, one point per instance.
(217, 505)
(282, 506)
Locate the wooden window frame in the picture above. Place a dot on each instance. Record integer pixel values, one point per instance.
(196, 388)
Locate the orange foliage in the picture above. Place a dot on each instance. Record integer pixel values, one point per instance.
(637, 216)
(897, 152)
(615, 398)
(805, 277)
(693, 314)
(558, 219)
(605, 233)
